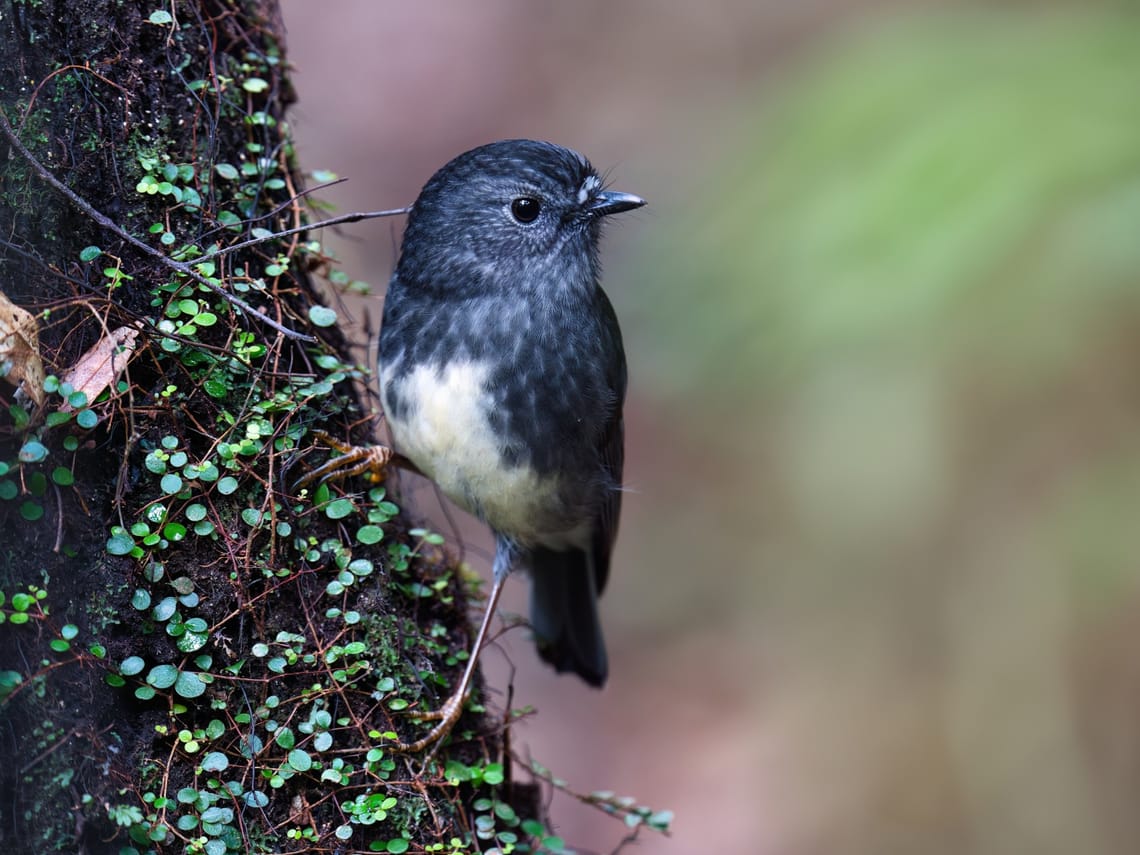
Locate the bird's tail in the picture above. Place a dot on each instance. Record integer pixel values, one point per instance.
(564, 614)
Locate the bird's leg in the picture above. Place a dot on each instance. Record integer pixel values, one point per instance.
(353, 460)
(449, 713)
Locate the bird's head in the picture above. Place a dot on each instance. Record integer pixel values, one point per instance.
(511, 214)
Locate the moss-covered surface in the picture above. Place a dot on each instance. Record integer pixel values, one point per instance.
(194, 657)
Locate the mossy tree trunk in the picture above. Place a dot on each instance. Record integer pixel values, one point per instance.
(193, 657)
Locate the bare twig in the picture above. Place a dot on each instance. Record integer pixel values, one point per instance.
(321, 224)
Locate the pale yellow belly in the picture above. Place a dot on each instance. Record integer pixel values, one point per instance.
(445, 432)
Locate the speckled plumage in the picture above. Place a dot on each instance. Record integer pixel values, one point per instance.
(502, 373)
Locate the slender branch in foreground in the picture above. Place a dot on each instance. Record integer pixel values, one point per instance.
(111, 226)
(185, 268)
(320, 224)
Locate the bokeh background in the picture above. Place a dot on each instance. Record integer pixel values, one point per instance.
(878, 585)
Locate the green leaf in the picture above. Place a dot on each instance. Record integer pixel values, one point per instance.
(160, 17)
(339, 508)
(174, 532)
(215, 761)
(189, 685)
(493, 774)
(120, 542)
(505, 812)
(89, 253)
(131, 665)
(254, 84)
(369, 534)
(20, 416)
(300, 760)
(322, 316)
(9, 680)
(33, 452)
(208, 471)
(218, 814)
(165, 609)
(62, 476)
(256, 799)
(361, 567)
(216, 388)
(162, 676)
(191, 640)
(155, 462)
(86, 419)
(226, 171)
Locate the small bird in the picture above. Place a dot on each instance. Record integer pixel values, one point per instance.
(502, 378)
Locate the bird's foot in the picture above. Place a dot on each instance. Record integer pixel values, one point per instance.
(447, 716)
(353, 460)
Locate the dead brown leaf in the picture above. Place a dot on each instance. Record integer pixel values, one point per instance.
(20, 362)
(100, 366)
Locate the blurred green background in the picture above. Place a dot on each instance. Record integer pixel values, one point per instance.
(878, 585)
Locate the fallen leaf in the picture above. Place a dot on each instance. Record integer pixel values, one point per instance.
(100, 366)
(20, 362)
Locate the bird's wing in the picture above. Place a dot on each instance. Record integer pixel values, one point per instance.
(605, 530)
(611, 450)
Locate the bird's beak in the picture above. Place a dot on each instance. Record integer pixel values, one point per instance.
(611, 202)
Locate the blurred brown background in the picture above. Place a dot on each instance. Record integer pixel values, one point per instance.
(878, 587)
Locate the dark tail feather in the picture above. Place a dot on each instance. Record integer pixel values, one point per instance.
(564, 614)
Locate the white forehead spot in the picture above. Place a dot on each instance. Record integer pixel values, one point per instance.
(589, 187)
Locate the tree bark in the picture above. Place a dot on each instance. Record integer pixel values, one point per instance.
(193, 656)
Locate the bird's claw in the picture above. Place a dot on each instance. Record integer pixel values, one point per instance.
(353, 460)
(447, 716)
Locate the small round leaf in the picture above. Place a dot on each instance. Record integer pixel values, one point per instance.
(322, 316)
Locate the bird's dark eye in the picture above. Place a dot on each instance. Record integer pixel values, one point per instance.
(525, 209)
